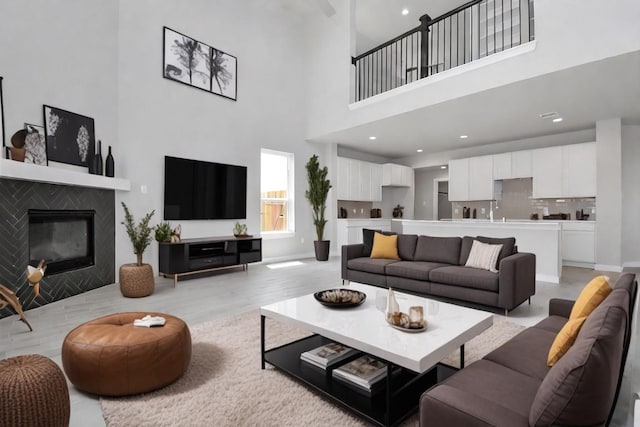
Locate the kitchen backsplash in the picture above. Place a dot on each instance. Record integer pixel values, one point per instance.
(355, 209)
(517, 203)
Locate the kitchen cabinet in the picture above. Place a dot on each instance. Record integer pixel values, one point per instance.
(521, 164)
(564, 171)
(459, 180)
(397, 175)
(358, 180)
(578, 242)
(502, 166)
(481, 178)
(579, 170)
(546, 165)
(349, 231)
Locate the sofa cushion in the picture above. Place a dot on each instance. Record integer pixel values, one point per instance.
(418, 270)
(508, 247)
(483, 256)
(580, 388)
(466, 277)
(438, 249)
(370, 265)
(525, 353)
(564, 340)
(591, 296)
(367, 241)
(385, 246)
(407, 246)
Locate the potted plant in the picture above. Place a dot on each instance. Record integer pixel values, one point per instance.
(163, 232)
(397, 211)
(317, 193)
(136, 280)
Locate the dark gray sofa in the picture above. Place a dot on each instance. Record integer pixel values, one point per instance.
(435, 266)
(512, 386)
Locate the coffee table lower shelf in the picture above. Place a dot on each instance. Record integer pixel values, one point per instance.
(382, 408)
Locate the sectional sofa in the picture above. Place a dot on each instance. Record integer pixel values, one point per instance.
(435, 266)
(513, 386)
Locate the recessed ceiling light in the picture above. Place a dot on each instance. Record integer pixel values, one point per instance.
(405, 11)
(372, 138)
(464, 136)
(419, 150)
(557, 120)
(443, 167)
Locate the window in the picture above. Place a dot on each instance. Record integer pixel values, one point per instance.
(276, 192)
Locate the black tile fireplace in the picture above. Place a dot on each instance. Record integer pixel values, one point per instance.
(71, 227)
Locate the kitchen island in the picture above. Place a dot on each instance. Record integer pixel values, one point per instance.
(542, 238)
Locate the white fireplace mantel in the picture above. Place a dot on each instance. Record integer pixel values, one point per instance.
(29, 172)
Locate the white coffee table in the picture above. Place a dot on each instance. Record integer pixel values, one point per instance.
(365, 328)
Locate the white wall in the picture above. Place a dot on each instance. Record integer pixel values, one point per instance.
(563, 29)
(630, 196)
(160, 117)
(63, 54)
(424, 191)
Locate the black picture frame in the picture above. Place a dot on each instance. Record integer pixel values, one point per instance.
(2, 119)
(35, 145)
(188, 61)
(70, 136)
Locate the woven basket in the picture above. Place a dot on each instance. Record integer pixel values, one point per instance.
(33, 392)
(136, 280)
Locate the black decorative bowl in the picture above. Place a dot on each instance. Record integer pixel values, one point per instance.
(340, 298)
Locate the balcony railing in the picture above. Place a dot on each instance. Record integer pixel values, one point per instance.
(470, 32)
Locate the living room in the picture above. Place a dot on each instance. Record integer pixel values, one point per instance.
(102, 59)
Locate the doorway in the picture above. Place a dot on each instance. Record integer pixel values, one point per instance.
(441, 204)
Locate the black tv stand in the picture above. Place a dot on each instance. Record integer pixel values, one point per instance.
(193, 256)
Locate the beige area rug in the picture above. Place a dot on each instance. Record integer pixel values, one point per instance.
(224, 385)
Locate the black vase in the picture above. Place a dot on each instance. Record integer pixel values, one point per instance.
(108, 168)
(97, 160)
(322, 249)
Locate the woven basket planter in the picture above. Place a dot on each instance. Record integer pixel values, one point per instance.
(136, 280)
(33, 392)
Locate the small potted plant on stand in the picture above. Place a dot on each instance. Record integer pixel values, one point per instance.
(397, 211)
(317, 193)
(136, 280)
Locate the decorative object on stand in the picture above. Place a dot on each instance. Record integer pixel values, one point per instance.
(176, 233)
(18, 152)
(397, 211)
(317, 193)
(109, 166)
(8, 297)
(34, 275)
(70, 136)
(340, 298)
(136, 280)
(35, 144)
(199, 65)
(412, 322)
(1, 115)
(240, 230)
(163, 232)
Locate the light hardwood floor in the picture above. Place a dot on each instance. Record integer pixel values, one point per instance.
(199, 300)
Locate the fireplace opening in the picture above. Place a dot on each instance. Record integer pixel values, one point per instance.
(63, 238)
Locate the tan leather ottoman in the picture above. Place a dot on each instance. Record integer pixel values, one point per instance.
(109, 356)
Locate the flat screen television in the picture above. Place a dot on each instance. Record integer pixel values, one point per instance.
(194, 189)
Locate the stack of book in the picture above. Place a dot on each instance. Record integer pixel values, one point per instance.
(364, 373)
(327, 355)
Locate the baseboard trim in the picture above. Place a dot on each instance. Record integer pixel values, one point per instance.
(287, 258)
(588, 265)
(606, 267)
(632, 264)
(547, 278)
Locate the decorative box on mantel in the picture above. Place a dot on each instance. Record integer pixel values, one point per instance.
(28, 172)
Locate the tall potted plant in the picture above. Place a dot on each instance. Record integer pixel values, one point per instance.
(317, 193)
(136, 280)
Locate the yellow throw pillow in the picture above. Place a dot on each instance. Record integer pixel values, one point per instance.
(385, 246)
(591, 296)
(564, 340)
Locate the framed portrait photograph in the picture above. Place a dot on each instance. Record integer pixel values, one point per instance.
(191, 62)
(35, 145)
(70, 137)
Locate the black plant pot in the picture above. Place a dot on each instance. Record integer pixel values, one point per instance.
(322, 249)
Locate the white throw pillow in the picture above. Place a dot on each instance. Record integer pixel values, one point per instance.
(484, 256)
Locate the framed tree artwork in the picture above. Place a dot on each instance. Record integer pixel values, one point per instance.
(188, 61)
(70, 137)
(35, 145)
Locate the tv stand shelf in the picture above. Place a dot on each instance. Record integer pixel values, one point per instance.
(193, 256)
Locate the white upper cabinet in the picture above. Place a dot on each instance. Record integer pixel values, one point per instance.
(358, 180)
(547, 172)
(564, 171)
(481, 178)
(579, 170)
(397, 175)
(502, 166)
(521, 164)
(459, 180)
